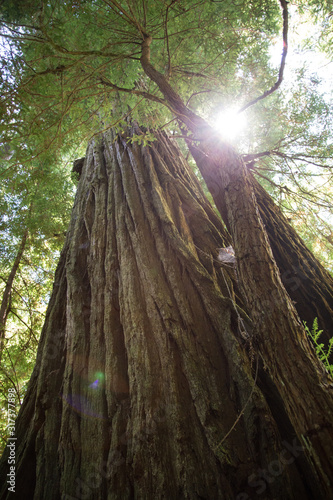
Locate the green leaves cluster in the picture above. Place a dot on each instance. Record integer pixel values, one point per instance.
(142, 139)
(68, 48)
(37, 201)
(323, 354)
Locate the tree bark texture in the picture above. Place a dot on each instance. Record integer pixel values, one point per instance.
(144, 387)
(307, 282)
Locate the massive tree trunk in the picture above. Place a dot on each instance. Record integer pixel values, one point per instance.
(278, 334)
(144, 385)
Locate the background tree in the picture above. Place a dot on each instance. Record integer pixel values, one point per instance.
(35, 207)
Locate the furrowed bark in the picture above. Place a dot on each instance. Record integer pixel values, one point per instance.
(307, 282)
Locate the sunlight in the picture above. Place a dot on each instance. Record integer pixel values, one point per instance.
(229, 123)
(301, 29)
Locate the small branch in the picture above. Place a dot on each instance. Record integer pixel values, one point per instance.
(55, 71)
(191, 73)
(186, 137)
(167, 36)
(26, 325)
(146, 95)
(244, 407)
(63, 50)
(144, 13)
(255, 156)
(130, 18)
(271, 182)
(284, 5)
(198, 93)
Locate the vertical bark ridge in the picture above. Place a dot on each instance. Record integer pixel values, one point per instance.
(308, 283)
(150, 263)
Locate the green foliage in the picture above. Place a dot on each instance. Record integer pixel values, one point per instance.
(18, 10)
(61, 59)
(296, 134)
(142, 139)
(16, 366)
(324, 355)
(36, 197)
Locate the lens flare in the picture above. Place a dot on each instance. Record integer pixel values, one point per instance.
(229, 123)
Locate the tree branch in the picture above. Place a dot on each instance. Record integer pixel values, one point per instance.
(284, 5)
(146, 95)
(130, 18)
(177, 106)
(63, 50)
(167, 35)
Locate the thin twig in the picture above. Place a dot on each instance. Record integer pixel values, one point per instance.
(244, 407)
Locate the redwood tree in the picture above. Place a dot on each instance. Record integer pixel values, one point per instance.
(145, 384)
(169, 374)
(307, 282)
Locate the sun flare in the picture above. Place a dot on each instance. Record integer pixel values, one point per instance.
(229, 123)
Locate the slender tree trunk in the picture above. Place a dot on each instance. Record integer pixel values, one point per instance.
(143, 387)
(4, 307)
(308, 283)
(279, 336)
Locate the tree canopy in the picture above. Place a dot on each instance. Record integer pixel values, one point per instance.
(72, 69)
